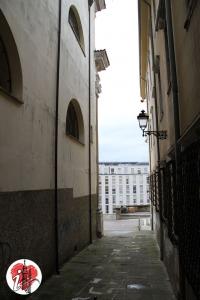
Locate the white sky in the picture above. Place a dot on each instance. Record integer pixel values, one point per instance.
(120, 138)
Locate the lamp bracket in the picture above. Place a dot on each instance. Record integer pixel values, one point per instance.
(161, 135)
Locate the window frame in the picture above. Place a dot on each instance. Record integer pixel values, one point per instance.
(78, 33)
(15, 92)
(75, 107)
(72, 126)
(9, 90)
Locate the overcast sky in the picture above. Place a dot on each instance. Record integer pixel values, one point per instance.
(120, 138)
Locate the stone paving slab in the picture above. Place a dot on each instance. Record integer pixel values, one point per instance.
(120, 267)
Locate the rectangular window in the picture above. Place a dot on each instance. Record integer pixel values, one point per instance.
(114, 199)
(134, 189)
(113, 191)
(127, 189)
(121, 189)
(141, 189)
(139, 171)
(107, 200)
(112, 170)
(105, 170)
(106, 190)
(120, 179)
(100, 202)
(127, 180)
(113, 180)
(134, 201)
(100, 190)
(107, 209)
(106, 180)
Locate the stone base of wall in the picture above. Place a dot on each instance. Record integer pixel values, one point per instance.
(27, 222)
(171, 261)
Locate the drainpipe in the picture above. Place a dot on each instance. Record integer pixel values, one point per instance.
(172, 61)
(152, 217)
(89, 118)
(56, 143)
(157, 140)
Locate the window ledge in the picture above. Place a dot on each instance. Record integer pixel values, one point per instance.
(9, 95)
(190, 11)
(75, 139)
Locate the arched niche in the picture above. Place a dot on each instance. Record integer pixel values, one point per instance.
(12, 56)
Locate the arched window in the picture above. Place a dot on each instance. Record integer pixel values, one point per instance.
(5, 79)
(10, 65)
(74, 121)
(75, 23)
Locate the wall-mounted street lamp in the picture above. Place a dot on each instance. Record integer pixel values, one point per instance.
(143, 119)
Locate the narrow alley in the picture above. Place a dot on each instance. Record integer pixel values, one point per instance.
(99, 137)
(124, 264)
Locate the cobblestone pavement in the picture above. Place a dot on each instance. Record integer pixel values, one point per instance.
(119, 266)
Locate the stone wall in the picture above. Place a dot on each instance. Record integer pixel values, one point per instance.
(27, 223)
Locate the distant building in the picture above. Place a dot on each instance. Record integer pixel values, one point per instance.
(123, 184)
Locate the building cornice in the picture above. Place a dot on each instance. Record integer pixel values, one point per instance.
(99, 5)
(101, 60)
(143, 18)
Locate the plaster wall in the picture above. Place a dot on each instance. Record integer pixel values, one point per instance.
(187, 62)
(27, 129)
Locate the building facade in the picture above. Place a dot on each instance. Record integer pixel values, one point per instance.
(48, 131)
(169, 34)
(123, 184)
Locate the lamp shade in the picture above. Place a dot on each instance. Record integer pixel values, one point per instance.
(143, 119)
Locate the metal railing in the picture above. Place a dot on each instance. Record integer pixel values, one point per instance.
(181, 209)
